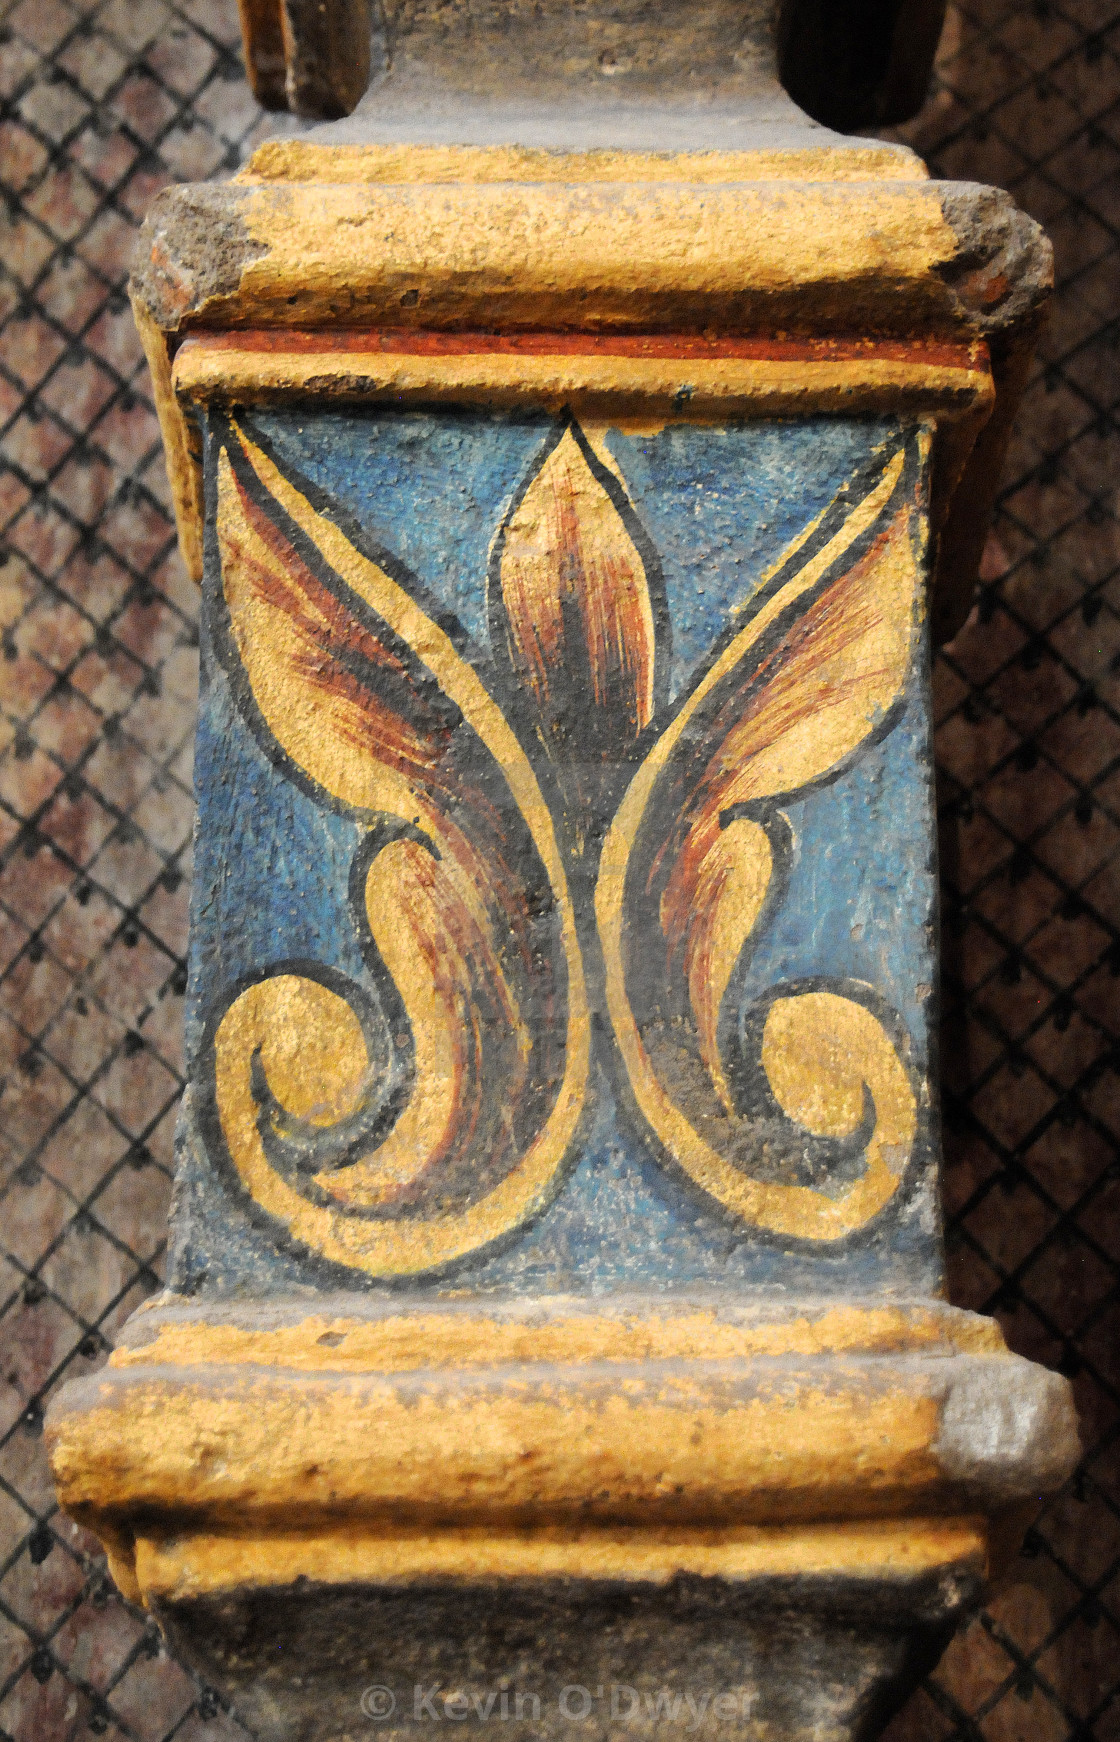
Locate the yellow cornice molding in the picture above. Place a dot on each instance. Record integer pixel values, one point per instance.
(840, 241)
(607, 1426)
(943, 382)
(339, 1338)
(627, 256)
(299, 160)
(171, 1569)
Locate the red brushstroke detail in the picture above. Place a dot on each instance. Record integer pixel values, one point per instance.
(343, 658)
(790, 685)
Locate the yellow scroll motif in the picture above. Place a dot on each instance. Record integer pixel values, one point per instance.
(819, 1051)
(733, 882)
(792, 694)
(443, 924)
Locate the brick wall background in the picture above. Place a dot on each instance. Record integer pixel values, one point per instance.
(106, 101)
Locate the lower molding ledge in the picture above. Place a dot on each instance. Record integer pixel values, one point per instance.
(890, 1551)
(645, 1494)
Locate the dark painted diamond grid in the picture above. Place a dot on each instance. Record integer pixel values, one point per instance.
(104, 104)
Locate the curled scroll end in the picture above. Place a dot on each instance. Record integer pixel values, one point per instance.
(820, 1052)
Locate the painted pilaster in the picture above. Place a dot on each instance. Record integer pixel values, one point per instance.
(555, 1299)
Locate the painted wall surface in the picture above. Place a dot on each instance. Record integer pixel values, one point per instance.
(563, 903)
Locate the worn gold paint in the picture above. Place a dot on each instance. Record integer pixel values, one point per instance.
(818, 1052)
(549, 1332)
(739, 866)
(311, 1047)
(639, 1445)
(432, 926)
(795, 757)
(434, 1009)
(314, 1057)
(181, 446)
(318, 728)
(272, 1455)
(267, 1453)
(175, 1569)
(626, 390)
(306, 727)
(820, 1040)
(596, 240)
(296, 160)
(640, 256)
(207, 371)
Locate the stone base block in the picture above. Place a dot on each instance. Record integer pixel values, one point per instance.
(794, 1659)
(632, 1516)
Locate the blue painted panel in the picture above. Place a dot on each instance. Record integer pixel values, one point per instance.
(718, 506)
